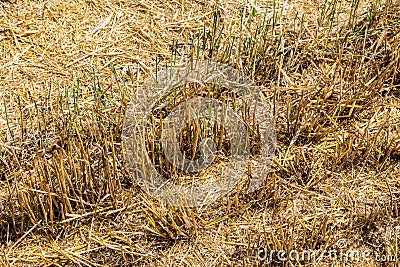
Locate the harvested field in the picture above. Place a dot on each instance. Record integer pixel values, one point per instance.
(329, 69)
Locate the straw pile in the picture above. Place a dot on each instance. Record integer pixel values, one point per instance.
(69, 68)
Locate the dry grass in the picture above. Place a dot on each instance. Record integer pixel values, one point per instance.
(68, 69)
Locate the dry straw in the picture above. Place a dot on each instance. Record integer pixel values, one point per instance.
(68, 69)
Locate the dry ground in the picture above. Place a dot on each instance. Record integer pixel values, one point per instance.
(68, 68)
